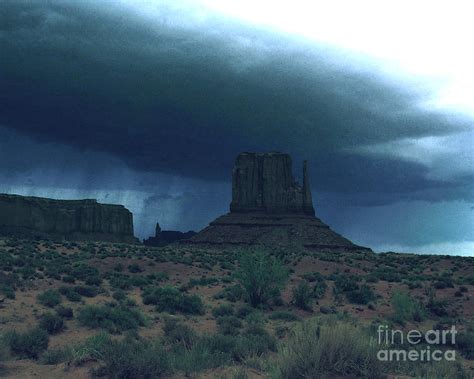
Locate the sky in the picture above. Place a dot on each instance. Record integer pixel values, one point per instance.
(147, 103)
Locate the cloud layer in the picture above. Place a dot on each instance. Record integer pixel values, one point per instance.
(178, 93)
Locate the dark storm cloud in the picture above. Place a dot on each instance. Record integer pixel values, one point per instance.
(184, 98)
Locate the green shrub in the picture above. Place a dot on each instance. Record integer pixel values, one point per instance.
(87, 291)
(64, 312)
(81, 271)
(362, 295)
(93, 281)
(244, 311)
(178, 333)
(437, 307)
(237, 348)
(118, 267)
(70, 294)
(313, 277)
(91, 349)
(282, 315)
(319, 289)
(261, 276)
(170, 299)
(302, 296)
(465, 344)
(317, 350)
(52, 323)
(8, 291)
(443, 283)
(191, 353)
(229, 325)
(126, 282)
(131, 359)
(231, 293)
(345, 283)
(49, 298)
(29, 344)
(56, 356)
(114, 319)
(68, 279)
(134, 268)
(119, 295)
(223, 310)
(405, 308)
(3, 350)
(193, 282)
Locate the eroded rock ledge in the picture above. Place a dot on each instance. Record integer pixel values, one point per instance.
(81, 220)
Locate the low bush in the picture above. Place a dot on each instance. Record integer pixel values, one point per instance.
(91, 349)
(170, 299)
(8, 291)
(232, 293)
(70, 294)
(82, 271)
(114, 319)
(405, 308)
(223, 310)
(313, 277)
(29, 344)
(68, 279)
(437, 307)
(49, 298)
(229, 325)
(465, 344)
(261, 276)
(319, 289)
(52, 323)
(178, 333)
(134, 359)
(64, 312)
(345, 283)
(316, 350)
(282, 315)
(56, 356)
(237, 348)
(362, 295)
(244, 311)
(201, 282)
(119, 295)
(87, 291)
(134, 268)
(126, 282)
(93, 281)
(302, 296)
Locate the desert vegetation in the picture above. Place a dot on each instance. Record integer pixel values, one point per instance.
(127, 311)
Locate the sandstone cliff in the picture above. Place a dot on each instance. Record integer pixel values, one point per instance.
(35, 217)
(270, 208)
(265, 183)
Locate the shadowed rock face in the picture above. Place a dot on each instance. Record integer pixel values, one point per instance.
(86, 220)
(270, 208)
(265, 183)
(165, 237)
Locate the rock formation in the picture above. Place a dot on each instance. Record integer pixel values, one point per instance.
(83, 220)
(270, 208)
(265, 183)
(165, 237)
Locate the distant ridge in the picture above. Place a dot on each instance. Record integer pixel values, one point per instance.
(82, 220)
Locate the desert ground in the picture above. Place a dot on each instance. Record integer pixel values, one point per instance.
(82, 310)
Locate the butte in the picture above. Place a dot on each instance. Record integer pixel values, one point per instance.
(269, 208)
